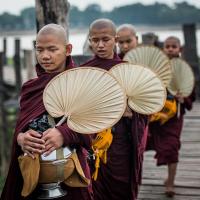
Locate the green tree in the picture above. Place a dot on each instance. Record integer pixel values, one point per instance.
(28, 18)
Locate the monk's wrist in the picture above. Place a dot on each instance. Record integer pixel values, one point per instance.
(20, 139)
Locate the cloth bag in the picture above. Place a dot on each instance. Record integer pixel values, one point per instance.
(31, 169)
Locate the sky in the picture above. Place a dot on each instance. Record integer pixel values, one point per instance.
(14, 7)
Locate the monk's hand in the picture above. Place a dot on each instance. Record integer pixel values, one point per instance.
(31, 142)
(53, 140)
(128, 113)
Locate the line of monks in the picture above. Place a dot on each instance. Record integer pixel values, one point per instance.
(119, 178)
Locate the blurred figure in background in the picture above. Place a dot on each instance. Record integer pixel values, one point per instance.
(127, 39)
(119, 177)
(164, 137)
(151, 39)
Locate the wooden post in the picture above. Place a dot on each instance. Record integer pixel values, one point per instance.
(190, 52)
(28, 64)
(53, 11)
(80, 59)
(5, 51)
(3, 124)
(151, 39)
(1, 69)
(18, 78)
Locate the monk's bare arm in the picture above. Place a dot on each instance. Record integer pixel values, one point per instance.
(74, 138)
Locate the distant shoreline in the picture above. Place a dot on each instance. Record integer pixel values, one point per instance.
(139, 28)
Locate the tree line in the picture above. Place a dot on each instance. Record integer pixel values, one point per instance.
(157, 14)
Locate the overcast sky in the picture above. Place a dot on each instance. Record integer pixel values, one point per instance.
(15, 6)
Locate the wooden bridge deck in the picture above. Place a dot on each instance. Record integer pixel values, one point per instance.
(187, 183)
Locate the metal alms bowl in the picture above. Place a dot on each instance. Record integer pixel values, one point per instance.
(56, 167)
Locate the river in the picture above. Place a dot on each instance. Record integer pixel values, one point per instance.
(77, 38)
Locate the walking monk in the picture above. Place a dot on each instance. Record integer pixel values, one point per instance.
(127, 39)
(165, 139)
(53, 56)
(119, 177)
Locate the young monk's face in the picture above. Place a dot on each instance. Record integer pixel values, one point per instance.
(172, 48)
(103, 42)
(51, 52)
(126, 40)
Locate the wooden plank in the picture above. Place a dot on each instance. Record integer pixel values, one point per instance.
(180, 174)
(160, 189)
(182, 182)
(187, 183)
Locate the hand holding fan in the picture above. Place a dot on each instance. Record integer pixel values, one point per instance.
(182, 81)
(145, 91)
(90, 98)
(152, 57)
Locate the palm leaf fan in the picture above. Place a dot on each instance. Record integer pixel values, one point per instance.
(90, 98)
(145, 91)
(151, 57)
(182, 78)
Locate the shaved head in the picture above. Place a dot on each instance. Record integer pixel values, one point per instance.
(172, 47)
(100, 24)
(174, 39)
(127, 38)
(53, 29)
(102, 37)
(127, 27)
(52, 48)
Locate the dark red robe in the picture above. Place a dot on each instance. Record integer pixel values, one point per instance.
(121, 55)
(118, 179)
(165, 139)
(31, 107)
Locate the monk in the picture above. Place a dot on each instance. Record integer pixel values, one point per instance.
(119, 178)
(53, 56)
(165, 139)
(127, 39)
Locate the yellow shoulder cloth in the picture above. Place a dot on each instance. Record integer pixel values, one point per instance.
(100, 146)
(166, 113)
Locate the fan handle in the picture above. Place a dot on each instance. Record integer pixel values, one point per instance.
(61, 121)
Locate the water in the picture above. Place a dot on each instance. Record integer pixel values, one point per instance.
(77, 39)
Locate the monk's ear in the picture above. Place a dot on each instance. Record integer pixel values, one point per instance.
(68, 49)
(89, 40)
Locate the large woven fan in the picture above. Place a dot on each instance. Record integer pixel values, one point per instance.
(151, 57)
(146, 92)
(182, 78)
(90, 98)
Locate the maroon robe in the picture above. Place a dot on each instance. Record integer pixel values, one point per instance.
(118, 179)
(31, 107)
(121, 55)
(165, 139)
